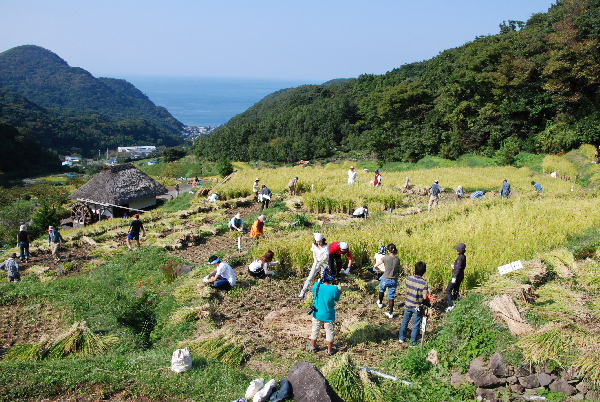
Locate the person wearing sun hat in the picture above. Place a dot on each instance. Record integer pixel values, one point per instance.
(257, 227)
(458, 274)
(336, 249)
(351, 175)
(12, 268)
(23, 241)
(236, 223)
(377, 180)
(320, 251)
(223, 277)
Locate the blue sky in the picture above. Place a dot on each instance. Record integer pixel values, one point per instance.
(314, 40)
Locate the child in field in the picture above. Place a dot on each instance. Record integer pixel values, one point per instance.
(417, 292)
(389, 279)
(12, 268)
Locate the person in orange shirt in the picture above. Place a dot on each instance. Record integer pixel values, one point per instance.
(257, 227)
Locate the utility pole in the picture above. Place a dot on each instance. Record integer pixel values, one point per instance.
(106, 153)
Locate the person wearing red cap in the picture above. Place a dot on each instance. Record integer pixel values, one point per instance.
(134, 231)
(336, 249)
(458, 274)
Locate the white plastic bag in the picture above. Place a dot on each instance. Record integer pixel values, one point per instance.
(181, 360)
(255, 386)
(265, 392)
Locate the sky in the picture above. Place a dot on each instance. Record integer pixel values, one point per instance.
(316, 40)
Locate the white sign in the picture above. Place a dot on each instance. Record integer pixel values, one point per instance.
(513, 266)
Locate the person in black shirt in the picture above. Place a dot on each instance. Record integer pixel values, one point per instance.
(23, 241)
(265, 197)
(458, 274)
(134, 231)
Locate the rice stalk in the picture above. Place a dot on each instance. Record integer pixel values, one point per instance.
(587, 363)
(79, 339)
(342, 376)
(26, 352)
(371, 392)
(190, 313)
(220, 345)
(549, 343)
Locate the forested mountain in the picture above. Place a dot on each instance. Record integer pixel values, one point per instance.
(22, 154)
(69, 110)
(532, 87)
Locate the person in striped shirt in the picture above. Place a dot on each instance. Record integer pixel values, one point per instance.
(417, 291)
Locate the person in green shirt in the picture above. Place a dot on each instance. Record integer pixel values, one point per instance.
(325, 296)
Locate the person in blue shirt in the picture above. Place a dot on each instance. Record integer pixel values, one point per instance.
(236, 223)
(537, 187)
(325, 296)
(478, 194)
(504, 189)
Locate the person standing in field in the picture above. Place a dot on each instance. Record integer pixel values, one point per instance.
(435, 190)
(134, 231)
(504, 189)
(257, 227)
(54, 241)
(259, 267)
(292, 185)
(177, 189)
(223, 277)
(23, 241)
(320, 251)
(323, 315)
(458, 274)
(377, 180)
(351, 175)
(537, 187)
(417, 292)
(389, 279)
(265, 197)
(255, 188)
(336, 249)
(12, 268)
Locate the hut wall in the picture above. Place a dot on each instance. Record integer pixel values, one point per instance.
(148, 202)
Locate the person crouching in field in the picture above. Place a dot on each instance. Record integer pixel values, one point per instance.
(417, 292)
(257, 227)
(259, 268)
(389, 279)
(320, 250)
(458, 274)
(236, 223)
(12, 268)
(223, 277)
(134, 231)
(336, 249)
(323, 314)
(361, 212)
(292, 185)
(379, 263)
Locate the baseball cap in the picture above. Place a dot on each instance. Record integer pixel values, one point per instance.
(436, 181)
(343, 245)
(136, 215)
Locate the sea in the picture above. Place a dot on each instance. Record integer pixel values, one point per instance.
(208, 101)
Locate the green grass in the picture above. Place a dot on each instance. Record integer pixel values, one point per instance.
(181, 203)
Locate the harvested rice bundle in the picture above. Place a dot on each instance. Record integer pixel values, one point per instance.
(561, 262)
(358, 331)
(220, 345)
(27, 352)
(79, 339)
(343, 377)
(371, 392)
(552, 342)
(190, 313)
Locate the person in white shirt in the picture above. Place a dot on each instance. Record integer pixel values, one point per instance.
(320, 251)
(361, 212)
(351, 175)
(223, 278)
(259, 268)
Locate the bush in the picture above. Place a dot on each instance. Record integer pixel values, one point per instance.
(224, 167)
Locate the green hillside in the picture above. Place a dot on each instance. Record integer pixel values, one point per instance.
(533, 87)
(69, 110)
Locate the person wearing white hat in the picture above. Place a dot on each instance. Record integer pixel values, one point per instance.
(336, 249)
(320, 251)
(23, 241)
(255, 188)
(236, 223)
(351, 175)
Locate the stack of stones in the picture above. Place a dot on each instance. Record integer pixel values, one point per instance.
(494, 379)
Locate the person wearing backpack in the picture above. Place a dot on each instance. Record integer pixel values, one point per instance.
(54, 241)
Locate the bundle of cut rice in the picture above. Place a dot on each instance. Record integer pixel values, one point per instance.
(342, 376)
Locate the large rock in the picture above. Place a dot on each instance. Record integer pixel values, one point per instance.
(486, 394)
(545, 379)
(309, 385)
(497, 365)
(517, 388)
(563, 387)
(457, 379)
(530, 381)
(481, 375)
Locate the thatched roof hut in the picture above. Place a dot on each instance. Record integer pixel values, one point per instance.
(120, 185)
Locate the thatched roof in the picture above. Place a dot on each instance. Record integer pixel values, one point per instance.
(119, 185)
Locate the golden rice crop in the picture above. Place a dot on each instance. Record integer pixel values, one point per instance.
(560, 165)
(589, 151)
(342, 375)
(587, 363)
(220, 345)
(552, 342)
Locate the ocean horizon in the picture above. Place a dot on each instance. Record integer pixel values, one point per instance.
(208, 101)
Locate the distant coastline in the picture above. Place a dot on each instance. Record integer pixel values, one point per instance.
(207, 101)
